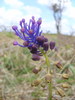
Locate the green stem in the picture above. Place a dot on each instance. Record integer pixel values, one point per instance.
(50, 91)
(47, 63)
(49, 71)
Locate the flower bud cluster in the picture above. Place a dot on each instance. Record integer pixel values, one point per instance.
(33, 40)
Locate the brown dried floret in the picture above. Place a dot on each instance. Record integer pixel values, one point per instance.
(36, 70)
(58, 65)
(48, 78)
(65, 76)
(36, 82)
(65, 85)
(60, 92)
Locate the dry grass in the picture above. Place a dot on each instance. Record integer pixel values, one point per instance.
(16, 68)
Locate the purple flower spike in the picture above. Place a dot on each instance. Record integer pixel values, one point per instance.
(52, 45)
(23, 20)
(25, 43)
(45, 39)
(33, 21)
(30, 31)
(14, 28)
(35, 57)
(33, 17)
(39, 21)
(46, 46)
(33, 49)
(22, 30)
(40, 39)
(15, 43)
(21, 23)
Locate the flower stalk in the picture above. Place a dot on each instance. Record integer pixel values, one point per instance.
(47, 63)
(50, 91)
(38, 46)
(50, 82)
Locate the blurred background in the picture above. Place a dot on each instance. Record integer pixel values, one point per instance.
(16, 65)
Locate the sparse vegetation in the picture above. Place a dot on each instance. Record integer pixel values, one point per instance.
(16, 68)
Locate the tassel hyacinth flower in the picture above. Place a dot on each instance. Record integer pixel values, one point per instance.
(32, 37)
(39, 45)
